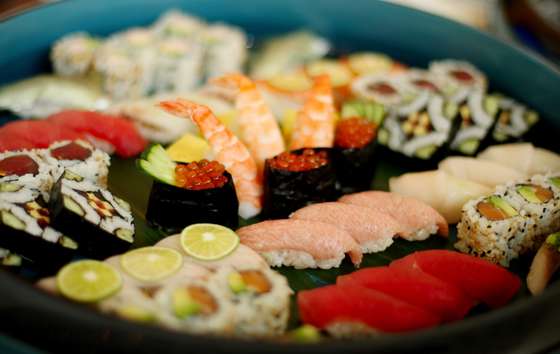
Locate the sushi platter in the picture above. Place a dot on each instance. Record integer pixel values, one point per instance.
(189, 177)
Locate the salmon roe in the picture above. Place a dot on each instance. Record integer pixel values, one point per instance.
(309, 159)
(354, 132)
(199, 175)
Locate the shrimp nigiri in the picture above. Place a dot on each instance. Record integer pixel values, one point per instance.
(228, 150)
(259, 128)
(315, 123)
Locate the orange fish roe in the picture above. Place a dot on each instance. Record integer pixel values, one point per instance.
(309, 159)
(199, 175)
(355, 132)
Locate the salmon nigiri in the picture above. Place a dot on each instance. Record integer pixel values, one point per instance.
(418, 218)
(300, 243)
(372, 230)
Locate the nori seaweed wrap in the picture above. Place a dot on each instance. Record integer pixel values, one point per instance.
(26, 229)
(187, 193)
(173, 208)
(295, 179)
(101, 223)
(420, 127)
(355, 144)
(514, 120)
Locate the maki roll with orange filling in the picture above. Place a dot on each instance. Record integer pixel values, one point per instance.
(25, 229)
(295, 179)
(184, 194)
(100, 222)
(354, 145)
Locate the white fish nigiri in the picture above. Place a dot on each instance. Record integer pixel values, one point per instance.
(544, 161)
(485, 172)
(517, 156)
(443, 192)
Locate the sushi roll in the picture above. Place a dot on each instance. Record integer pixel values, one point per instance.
(100, 222)
(493, 229)
(297, 178)
(465, 86)
(126, 62)
(73, 55)
(514, 120)
(545, 264)
(25, 229)
(539, 200)
(260, 297)
(197, 306)
(188, 193)
(379, 88)
(354, 144)
(24, 168)
(78, 158)
(178, 65)
(176, 24)
(420, 126)
(9, 259)
(226, 50)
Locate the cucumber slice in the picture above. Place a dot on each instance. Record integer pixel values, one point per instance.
(372, 111)
(157, 163)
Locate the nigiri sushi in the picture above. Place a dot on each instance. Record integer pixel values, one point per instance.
(479, 279)
(350, 311)
(117, 131)
(414, 287)
(300, 243)
(483, 172)
(419, 220)
(25, 134)
(372, 230)
(523, 157)
(445, 193)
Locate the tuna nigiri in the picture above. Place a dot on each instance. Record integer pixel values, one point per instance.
(349, 311)
(418, 219)
(414, 287)
(372, 230)
(117, 131)
(300, 243)
(23, 134)
(479, 279)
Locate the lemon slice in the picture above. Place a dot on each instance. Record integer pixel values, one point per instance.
(369, 63)
(151, 263)
(287, 124)
(188, 148)
(208, 241)
(292, 82)
(88, 281)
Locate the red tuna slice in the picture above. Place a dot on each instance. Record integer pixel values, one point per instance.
(119, 132)
(414, 287)
(38, 133)
(334, 304)
(479, 279)
(10, 142)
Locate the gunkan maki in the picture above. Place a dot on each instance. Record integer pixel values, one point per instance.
(100, 222)
(295, 179)
(188, 193)
(354, 144)
(26, 229)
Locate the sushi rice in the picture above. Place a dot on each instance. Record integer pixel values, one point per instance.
(42, 181)
(94, 168)
(220, 321)
(500, 241)
(258, 313)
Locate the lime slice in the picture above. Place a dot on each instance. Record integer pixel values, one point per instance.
(208, 241)
(151, 263)
(88, 281)
(188, 148)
